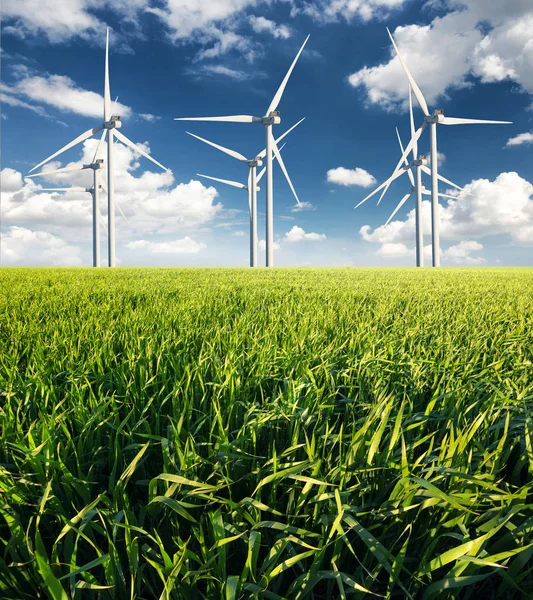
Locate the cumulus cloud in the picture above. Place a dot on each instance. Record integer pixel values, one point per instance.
(487, 40)
(346, 177)
(521, 138)
(460, 254)
(62, 93)
(10, 180)
(484, 208)
(185, 245)
(297, 234)
(325, 11)
(24, 247)
(154, 203)
(262, 25)
(394, 250)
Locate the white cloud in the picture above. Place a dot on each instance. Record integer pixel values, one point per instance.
(153, 202)
(148, 117)
(325, 11)
(223, 71)
(357, 176)
(57, 19)
(521, 138)
(238, 234)
(12, 101)
(481, 39)
(394, 250)
(483, 208)
(461, 253)
(297, 234)
(62, 93)
(262, 25)
(185, 245)
(10, 180)
(21, 246)
(302, 206)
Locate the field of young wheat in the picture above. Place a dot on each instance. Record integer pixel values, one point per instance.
(231, 433)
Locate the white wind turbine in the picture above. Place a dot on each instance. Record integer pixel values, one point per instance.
(110, 127)
(251, 186)
(96, 165)
(432, 120)
(252, 195)
(271, 118)
(418, 165)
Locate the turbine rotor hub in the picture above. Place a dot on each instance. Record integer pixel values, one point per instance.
(113, 123)
(272, 119)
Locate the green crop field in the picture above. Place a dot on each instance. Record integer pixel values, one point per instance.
(291, 433)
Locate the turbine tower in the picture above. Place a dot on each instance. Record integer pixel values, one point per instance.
(432, 120)
(271, 118)
(252, 188)
(110, 126)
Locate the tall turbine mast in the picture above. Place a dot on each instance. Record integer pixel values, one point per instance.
(271, 118)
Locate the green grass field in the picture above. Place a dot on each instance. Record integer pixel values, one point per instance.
(295, 433)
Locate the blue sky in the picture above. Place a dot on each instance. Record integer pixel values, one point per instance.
(174, 58)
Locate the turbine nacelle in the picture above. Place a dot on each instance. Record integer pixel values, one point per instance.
(113, 123)
(436, 117)
(96, 165)
(256, 162)
(272, 119)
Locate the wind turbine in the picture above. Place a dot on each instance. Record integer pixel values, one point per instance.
(418, 165)
(252, 188)
(271, 118)
(96, 165)
(110, 126)
(432, 120)
(252, 196)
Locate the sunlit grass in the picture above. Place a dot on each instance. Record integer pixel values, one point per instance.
(291, 433)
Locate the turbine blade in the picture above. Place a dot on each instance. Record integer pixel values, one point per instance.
(102, 138)
(121, 211)
(107, 92)
(410, 145)
(427, 170)
(282, 165)
(102, 184)
(418, 94)
(400, 204)
(226, 181)
(411, 178)
(69, 189)
(133, 146)
(458, 121)
(281, 89)
(63, 170)
(412, 120)
(386, 184)
(232, 119)
(232, 153)
(79, 139)
(262, 154)
(260, 175)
